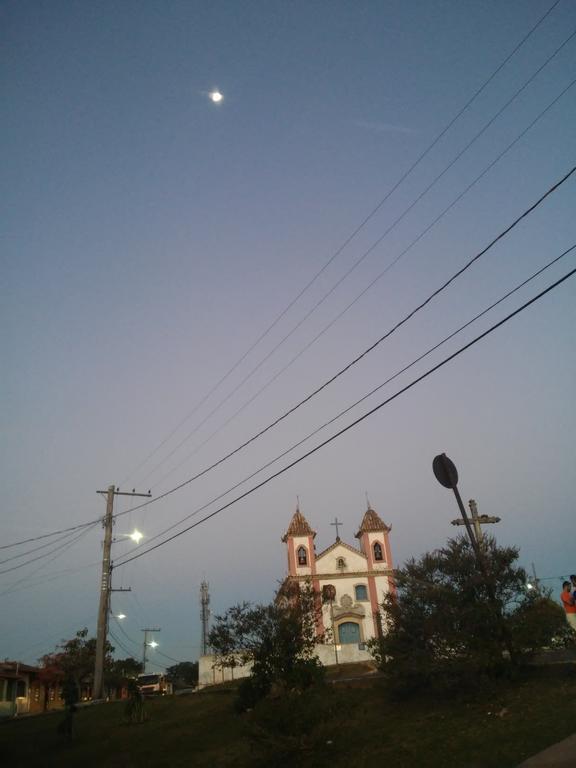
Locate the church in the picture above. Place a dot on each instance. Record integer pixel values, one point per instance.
(352, 580)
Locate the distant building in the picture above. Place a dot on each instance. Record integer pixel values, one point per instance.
(350, 581)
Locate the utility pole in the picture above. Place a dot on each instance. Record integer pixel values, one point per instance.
(477, 521)
(145, 645)
(106, 588)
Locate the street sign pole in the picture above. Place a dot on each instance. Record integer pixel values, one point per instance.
(447, 475)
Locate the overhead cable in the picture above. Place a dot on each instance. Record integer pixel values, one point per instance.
(53, 533)
(366, 351)
(66, 544)
(356, 231)
(364, 255)
(358, 402)
(357, 421)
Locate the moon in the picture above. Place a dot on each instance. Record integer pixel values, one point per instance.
(215, 96)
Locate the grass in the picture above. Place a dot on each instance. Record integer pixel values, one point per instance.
(356, 726)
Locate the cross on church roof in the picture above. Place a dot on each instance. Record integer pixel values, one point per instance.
(336, 524)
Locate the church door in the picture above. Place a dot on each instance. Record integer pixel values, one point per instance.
(349, 632)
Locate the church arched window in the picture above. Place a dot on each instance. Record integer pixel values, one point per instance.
(361, 592)
(302, 556)
(340, 563)
(377, 548)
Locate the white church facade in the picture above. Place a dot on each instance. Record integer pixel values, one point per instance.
(351, 582)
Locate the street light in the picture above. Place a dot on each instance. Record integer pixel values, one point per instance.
(136, 536)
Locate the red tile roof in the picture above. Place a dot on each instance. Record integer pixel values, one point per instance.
(298, 526)
(372, 522)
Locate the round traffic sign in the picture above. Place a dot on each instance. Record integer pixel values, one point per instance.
(445, 471)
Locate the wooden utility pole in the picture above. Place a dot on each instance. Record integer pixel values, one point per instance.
(477, 521)
(102, 627)
(106, 588)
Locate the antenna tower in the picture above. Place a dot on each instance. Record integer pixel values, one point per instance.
(204, 615)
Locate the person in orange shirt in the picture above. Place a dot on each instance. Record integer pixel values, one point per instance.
(569, 604)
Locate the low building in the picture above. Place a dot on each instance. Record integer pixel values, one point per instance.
(21, 689)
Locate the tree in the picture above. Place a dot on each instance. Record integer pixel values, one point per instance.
(120, 672)
(450, 623)
(278, 639)
(128, 668)
(74, 661)
(185, 673)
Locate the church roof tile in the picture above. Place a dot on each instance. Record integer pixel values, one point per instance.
(299, 526)
(372, 522)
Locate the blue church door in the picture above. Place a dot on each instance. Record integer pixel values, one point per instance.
(349, 632)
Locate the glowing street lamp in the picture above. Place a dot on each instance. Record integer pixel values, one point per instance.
(136, 536)
(153, 644)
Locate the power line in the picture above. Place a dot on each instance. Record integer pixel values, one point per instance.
(178, 661)
(359, 261)
(36, 549)
(122, 646)
(365, 352)
(93, 522)
(347, 241)
(53, 577)
(11, 588)
(66, 544)
(126, 635)
(90, 523)
(362, 399)
(353, 424)
(54, 533)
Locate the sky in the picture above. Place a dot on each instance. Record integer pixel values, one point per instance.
(176, 274)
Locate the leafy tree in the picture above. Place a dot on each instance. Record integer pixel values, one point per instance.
(450, 623)
(278, 639)
(74, 661)
(184, 673)
(120, 671)
(126, 668)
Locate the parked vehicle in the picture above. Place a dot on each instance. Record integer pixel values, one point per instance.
(154, 685)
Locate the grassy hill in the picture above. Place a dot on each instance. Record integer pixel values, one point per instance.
(347, 724)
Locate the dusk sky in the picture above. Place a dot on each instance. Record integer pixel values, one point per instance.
(151, 236)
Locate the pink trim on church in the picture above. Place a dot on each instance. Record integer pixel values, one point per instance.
(367, 547)
(391, 582)
(319, 615)
(311, 555)
(291, 558)
(373, 602)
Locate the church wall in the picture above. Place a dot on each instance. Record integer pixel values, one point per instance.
(328, 563)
